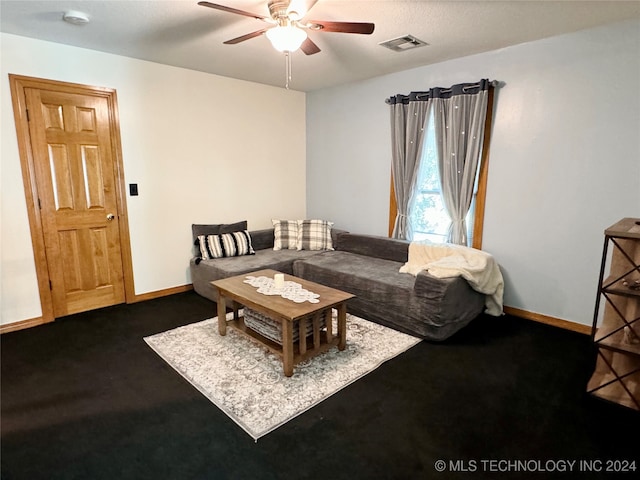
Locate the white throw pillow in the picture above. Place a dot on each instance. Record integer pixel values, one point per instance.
(285, 234)
(314, 235)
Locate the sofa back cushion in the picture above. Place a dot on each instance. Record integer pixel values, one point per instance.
(262, 239)
(373, 246)
(198, 229)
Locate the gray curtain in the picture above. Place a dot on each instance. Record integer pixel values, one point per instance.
(459, 115)
(408, 115)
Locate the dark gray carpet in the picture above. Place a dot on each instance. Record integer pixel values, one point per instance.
(86, 398)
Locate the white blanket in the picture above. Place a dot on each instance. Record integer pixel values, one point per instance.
(447, 260)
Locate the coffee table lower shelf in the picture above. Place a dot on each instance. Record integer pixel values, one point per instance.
(301, 351)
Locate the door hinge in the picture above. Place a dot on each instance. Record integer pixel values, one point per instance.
(28, 119)
(39, 204)
(50, 285)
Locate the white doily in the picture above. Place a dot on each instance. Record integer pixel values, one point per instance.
(291, 291)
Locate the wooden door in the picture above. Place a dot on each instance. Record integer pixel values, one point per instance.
(77, 199)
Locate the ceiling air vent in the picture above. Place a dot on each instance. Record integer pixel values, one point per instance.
(406, 42)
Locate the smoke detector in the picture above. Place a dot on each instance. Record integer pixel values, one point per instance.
(401, 44)
(75, 17)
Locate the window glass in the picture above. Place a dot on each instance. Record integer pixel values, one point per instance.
(428, 217)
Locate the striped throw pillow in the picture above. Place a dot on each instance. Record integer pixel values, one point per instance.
(222, 245)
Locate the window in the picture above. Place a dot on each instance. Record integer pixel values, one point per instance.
(428, 218)
(424, 216)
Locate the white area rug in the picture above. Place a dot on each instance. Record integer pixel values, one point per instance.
(246, 381)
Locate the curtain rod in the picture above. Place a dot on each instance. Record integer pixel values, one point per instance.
(425, 95)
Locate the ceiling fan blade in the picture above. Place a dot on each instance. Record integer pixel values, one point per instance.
(248, 36)
(234, 10)
(342, 27)
(308, 47)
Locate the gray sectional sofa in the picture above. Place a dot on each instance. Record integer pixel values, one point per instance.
(368, 267)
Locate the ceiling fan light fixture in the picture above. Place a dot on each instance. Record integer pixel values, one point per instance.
(287, 38)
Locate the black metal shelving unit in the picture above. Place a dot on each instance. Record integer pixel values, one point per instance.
(616, 377)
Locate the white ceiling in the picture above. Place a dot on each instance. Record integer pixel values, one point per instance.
(183, 34)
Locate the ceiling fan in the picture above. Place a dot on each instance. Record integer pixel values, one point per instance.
(288, 31)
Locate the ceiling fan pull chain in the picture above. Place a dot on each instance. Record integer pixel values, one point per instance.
(287, 56)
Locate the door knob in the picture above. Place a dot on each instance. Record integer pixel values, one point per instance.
(110, 216)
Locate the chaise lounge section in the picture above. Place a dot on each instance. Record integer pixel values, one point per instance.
(368, 267)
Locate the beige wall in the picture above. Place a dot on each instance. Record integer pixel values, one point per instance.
(202, 149)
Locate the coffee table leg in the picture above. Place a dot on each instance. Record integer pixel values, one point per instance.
(287, 348)
(316, 330)
(222, 315)
(342, 326)
(328, 317)
(302, 336)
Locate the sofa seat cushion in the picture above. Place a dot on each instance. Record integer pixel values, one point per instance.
(218, 268)
(363, 276)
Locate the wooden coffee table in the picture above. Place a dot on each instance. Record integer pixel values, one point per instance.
(289, 313)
